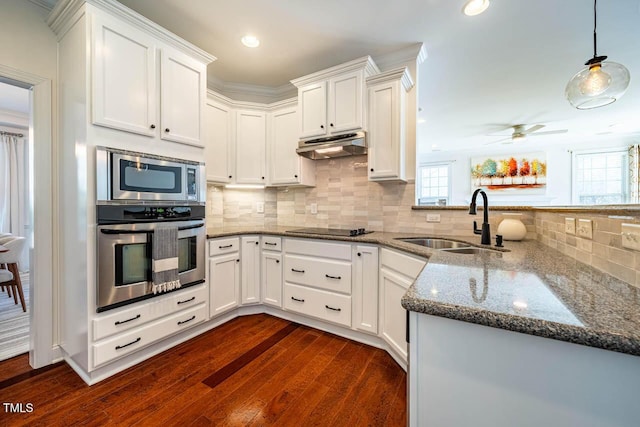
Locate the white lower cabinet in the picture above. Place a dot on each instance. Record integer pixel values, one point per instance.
(397, 273)
(224, 275)
(250, 270)
(271, 272)
(129, 329)
(365, 288)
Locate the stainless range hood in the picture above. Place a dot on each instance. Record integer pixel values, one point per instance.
(348, 144)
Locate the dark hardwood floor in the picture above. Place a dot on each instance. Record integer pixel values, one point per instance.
(253, 371)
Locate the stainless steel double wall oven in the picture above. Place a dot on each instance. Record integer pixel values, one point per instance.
(137, 192)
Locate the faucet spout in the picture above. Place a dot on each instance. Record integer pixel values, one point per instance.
(485, 232)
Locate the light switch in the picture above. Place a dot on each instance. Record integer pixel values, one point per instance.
(631, 236)
(314, 208)
(570, 225)
(260, 207)
(584, 229)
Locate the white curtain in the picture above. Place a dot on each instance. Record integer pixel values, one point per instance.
(14, 187)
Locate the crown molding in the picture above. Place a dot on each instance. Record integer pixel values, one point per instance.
(66, 10)
(214, 96)
(416, 52)
(45, 4)
(365, 63)
(251, 93)
(401, 74)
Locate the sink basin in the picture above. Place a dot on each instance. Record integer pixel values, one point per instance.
(469, 250)
(436, 243)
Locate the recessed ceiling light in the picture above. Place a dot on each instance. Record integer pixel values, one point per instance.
(250, 41)
(475, 7)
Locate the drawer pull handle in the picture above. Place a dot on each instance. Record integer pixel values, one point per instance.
(188, 320)
(296, 299)
(137, 340)
(225, 247)
(334, 309)
(120, 322)
(297, 271)
(270, 244)
(187, 300)
(333, 277)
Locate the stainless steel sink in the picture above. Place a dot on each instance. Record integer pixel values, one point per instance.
(436, 243)
(469, 250)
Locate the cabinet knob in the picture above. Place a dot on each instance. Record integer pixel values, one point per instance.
(230, 177)
(152, 126)
(237, 260)
(263, 177)
(167, 130)
(359, 254)
(321, 126)
(371, 169)
(277, 261)
(331, 124)
(295, 176)
(256, 243)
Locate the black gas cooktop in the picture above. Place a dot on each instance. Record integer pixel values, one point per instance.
(331, 231)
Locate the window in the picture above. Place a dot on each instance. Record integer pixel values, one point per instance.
(434, 184)
(601, 178)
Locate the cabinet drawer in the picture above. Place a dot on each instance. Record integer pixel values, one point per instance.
(317, 303)
(322, 273)
(271, 243)
(224, 246)
(135, 339)
(320, 249)
(138, 314)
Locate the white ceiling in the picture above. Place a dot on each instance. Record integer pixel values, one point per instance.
(507, 66)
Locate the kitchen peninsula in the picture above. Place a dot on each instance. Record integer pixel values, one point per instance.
(556, 339)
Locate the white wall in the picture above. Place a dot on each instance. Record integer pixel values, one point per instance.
(558, 190)
(27, 42)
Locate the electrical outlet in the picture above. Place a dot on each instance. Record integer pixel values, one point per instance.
(314, 208)
(570, 225)
(631, 236)
(585, 228)
(433, 217)
(260, 207)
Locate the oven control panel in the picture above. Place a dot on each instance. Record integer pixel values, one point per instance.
(110, 214)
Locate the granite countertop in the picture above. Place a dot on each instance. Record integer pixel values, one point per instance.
(527, 287)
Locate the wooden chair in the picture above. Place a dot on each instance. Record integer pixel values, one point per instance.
(10, 260)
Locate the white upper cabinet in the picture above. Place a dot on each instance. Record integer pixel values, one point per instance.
(312, 101)
(286, 167)
(250, 147)
(124, 83)
(387, 125)
(183, 90)
(346, 102)
(218, 141)
(127, 64)
(332, 101)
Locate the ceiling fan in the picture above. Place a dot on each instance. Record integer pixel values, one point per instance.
(520, 133)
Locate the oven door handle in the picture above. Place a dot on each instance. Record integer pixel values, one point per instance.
(112, 231)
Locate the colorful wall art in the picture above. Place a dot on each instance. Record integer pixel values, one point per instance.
(510, 172)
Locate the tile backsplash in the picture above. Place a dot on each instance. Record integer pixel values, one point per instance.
(603, 250)
(345, 198)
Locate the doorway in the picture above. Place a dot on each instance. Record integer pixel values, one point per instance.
(42, 190)
(15, 218)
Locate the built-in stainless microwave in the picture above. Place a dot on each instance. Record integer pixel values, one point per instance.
(123, 176)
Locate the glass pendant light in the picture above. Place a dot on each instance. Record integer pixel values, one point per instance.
(600, 83)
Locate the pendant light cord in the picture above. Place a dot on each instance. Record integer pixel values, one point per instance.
(595, 22)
